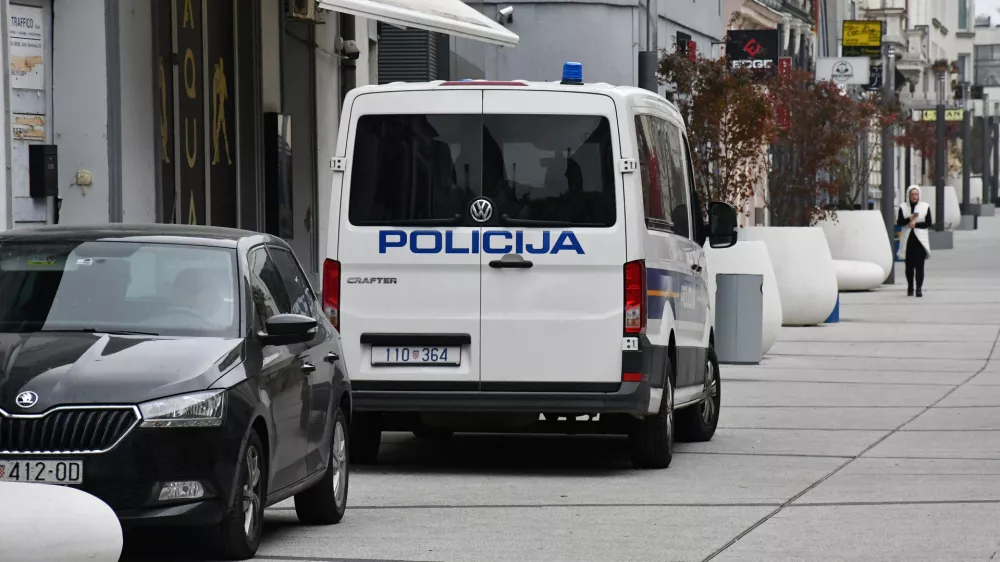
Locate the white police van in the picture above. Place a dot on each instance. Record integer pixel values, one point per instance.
(500, 252)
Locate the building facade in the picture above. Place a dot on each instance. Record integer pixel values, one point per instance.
(604, 35)
(219, 112)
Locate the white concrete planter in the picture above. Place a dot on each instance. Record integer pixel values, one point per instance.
(952, 211)
(751, 258)
(56, 524)
(804, 270)
(975, 190)
(859, 236)
(855, 275)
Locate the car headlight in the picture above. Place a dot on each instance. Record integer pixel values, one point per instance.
(199, 409)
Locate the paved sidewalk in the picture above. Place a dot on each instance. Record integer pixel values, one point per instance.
(877, 438)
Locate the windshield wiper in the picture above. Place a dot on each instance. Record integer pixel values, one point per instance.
(415, 222)
(96, 331)
(532, 222)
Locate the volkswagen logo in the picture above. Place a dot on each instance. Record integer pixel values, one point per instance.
(26, 399)
(481, 210)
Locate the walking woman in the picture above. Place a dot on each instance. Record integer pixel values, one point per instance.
(914, 241)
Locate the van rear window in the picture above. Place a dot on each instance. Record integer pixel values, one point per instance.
(537, 169)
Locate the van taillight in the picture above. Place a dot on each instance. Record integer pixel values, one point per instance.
(635, 297)
(331, 292)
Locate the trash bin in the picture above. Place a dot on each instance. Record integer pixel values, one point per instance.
(739, 318)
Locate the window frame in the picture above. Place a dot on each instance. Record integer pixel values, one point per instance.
(309, 291)
(261, 323)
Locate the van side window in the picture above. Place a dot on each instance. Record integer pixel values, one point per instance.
(680, 214)
(699, 213)
(650, 173)
(661, 166)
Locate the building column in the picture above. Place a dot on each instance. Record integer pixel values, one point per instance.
(6, 218)
(80, 95)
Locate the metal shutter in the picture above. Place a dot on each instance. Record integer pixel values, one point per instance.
(407, 55)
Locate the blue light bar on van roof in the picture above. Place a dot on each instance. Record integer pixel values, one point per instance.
(572, 73)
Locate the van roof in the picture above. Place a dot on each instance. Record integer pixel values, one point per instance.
(626, 94)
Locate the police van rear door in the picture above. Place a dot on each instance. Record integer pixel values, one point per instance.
(408, 250)
(553, 252)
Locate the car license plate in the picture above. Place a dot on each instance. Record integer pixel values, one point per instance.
(41, 472)
(416, 355)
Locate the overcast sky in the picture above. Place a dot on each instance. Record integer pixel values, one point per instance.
(988, 7)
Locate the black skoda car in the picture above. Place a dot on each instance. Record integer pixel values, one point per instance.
(184, 375)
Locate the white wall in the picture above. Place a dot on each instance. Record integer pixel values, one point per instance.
(138, 112)
(327, 118)
(80, 108)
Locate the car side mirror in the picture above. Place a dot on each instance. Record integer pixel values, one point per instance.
(286, 329)
(722, 225)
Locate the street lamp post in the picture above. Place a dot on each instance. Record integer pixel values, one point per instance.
(966, 152)
(940, 71)
(888, 156)
(987, 150)
(648, 59)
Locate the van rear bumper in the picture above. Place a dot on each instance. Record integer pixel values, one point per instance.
(623, 398)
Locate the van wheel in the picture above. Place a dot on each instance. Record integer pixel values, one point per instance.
(365, 437)
(326, 502)
(651, 439)
(242, 524)
(698, 423)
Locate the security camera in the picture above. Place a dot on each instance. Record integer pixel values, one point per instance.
(506, 14)
(351, 49)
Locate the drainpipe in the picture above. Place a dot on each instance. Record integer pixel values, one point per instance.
(6, 202)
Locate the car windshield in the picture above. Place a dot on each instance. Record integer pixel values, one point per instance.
(118, 287)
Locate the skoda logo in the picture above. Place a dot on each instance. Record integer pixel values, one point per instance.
(26, 399)
(481, 210)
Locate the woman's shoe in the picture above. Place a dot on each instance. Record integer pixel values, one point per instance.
(909, 291)
(920, 293)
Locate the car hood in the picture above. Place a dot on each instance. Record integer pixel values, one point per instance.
(67, 368)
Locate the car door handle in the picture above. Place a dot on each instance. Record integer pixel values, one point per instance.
(511, 261)
(331, 357)
(308, 367)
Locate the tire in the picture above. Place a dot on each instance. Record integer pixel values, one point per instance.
(651, 439)
(365, 437)
(698, 423)
(326, 502)
(242, 525)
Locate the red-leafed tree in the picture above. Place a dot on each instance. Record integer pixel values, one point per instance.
(729, 118)
(921, 136)
(818, 124)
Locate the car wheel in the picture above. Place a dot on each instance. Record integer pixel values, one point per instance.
(242, 524)
(366, 437)
(698, 423)
(651, 439)
(326, 502)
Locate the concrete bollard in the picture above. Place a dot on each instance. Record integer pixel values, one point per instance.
(47, 523)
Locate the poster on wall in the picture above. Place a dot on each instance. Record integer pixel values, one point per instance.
(221, 93)
(26, 48)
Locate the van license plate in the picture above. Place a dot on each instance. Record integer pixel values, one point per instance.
(41, 472)
(392, 355)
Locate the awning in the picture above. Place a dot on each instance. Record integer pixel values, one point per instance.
(451, 17)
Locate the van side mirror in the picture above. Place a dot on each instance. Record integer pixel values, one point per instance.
(286, 329)
(722, 225)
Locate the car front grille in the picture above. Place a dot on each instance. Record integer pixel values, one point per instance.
(66, 430)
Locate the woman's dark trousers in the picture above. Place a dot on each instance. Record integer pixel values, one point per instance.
(915, 258)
